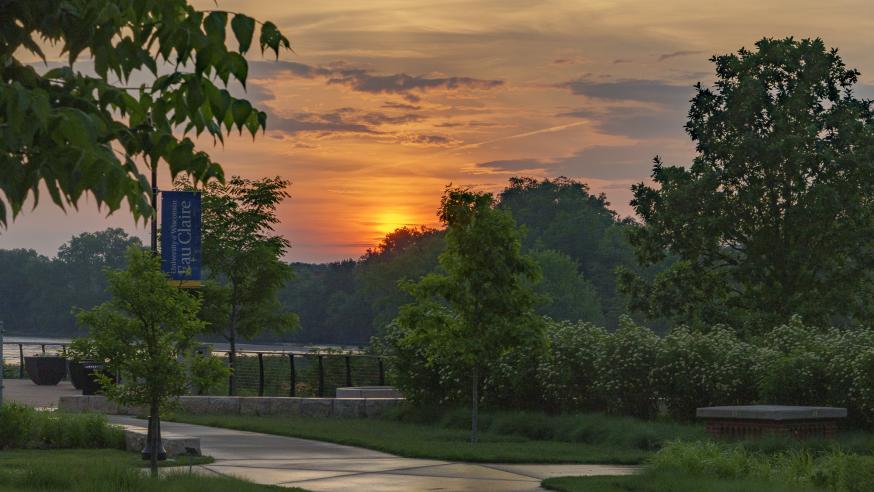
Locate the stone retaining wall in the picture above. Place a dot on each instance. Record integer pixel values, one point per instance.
(245, 405)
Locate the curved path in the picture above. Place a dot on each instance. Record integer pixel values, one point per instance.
(321, 466)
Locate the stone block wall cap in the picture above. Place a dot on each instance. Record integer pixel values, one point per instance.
(771, 412)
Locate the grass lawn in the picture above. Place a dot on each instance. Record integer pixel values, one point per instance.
(507, 438)
(668, 482)
(744, 466)
(98, 470)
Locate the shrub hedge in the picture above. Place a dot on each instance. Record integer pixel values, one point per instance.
(632, 371)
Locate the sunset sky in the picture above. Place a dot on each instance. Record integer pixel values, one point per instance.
(384, 102)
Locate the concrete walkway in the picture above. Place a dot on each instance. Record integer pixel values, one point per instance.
(25, 392)
(321, 466)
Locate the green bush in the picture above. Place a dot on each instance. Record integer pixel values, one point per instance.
(568, 372)
(426, 377)
(624, 370)
(795, 365)
(812, 366)
(705, 368)
(206, 373)
(584, 368)
(23, 427)
(513, 380)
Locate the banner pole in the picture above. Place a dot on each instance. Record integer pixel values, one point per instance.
(154, 208)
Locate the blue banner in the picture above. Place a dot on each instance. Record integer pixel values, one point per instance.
(180, 235)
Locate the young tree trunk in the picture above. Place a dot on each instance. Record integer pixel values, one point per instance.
(154, 436)
(232, 355)
(474, 408)
(232, 362)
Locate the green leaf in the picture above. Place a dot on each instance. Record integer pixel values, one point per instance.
(269, 37)
(194, 94)
(219, 101)
(236, 65)
(241, 110)
(252, 123)
(262, 120)
(214, 25)
(244, 28)
(40, 105)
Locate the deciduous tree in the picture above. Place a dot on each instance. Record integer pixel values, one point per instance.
(774, 216)
(243, 260)
(141, 334)
(483, 304)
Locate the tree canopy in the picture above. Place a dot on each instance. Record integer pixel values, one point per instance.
(37, 294)
(562, 214)
(774, 216)
(76, 133)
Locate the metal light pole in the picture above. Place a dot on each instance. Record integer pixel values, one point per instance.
(153, 436)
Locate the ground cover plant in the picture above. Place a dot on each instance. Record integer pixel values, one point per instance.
(88, 470)
(23, 427)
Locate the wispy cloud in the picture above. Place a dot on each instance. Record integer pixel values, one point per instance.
(411, 87)
(599, 162)
(675, 54)
(643, 90)
(341, 120)
(551, 129)
(427, 140)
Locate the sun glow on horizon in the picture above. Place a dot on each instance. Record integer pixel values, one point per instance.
(390, 220)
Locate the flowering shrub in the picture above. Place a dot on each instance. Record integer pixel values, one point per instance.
(624, 370)
(569, 370)
(425, 375)
(861, 396)
(703, 368)
(580, 367)
(512, 381)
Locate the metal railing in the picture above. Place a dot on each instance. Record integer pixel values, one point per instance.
(258, 372)
(288, 373)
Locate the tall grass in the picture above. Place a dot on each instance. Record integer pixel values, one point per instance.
(833, 469)
(22, 427)
(592, 428)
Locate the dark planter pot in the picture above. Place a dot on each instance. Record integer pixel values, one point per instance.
(90, 369)
(46, 371)
(77, 373)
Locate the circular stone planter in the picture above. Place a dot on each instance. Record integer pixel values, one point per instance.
(46, 371)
